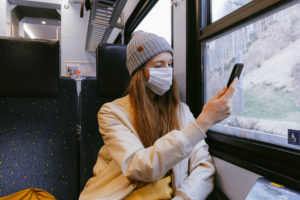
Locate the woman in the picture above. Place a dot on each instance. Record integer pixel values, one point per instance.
(154, 147)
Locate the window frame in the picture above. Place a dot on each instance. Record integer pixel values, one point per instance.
(277, 163)
(138, 14)
(118, 39)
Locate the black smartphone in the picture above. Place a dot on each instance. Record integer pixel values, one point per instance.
(236, 72)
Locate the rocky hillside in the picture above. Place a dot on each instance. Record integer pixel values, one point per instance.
(268, 99)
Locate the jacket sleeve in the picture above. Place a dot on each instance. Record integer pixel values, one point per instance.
(137, 162)
(199, 184)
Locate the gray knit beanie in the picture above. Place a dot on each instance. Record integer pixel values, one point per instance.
(142, 47)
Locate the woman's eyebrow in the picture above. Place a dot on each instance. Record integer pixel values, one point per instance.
(171, 60)
(158, 61)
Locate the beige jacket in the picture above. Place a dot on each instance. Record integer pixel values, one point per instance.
(123, 161)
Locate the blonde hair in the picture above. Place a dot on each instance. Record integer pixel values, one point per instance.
(153, 115)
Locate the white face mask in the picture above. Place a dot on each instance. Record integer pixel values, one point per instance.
(160, 80)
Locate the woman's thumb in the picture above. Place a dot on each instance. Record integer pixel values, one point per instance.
(220, 93)
(231, 89)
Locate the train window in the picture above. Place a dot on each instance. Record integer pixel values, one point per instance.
(267, 101)
(158, 20)
(220, 8)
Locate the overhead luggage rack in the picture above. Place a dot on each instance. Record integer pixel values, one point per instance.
(103, 18)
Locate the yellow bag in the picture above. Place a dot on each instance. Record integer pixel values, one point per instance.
(157, 190)
(30, 194)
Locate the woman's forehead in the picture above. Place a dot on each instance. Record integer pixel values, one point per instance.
(164, 56)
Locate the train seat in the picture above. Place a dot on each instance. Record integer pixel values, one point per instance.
(111, 82)
(38, 116)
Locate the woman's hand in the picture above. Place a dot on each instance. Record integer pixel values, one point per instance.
(217, 108)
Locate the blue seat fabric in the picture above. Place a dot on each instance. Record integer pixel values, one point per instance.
(112, 79)
(90, 139)
(38, 143)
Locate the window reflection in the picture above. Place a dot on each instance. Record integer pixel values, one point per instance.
(268, 96)
(220, 8)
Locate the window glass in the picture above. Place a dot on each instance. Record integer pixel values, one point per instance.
(220, 8)
(158, 20)
(267, 101)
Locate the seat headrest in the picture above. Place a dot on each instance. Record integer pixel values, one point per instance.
(112, 74)
(29, 67)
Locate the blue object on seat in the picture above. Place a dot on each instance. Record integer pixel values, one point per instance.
(113, 79)
(38, 144)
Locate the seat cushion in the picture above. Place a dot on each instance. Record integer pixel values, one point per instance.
(38, 143)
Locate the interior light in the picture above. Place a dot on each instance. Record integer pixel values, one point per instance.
(29, 32)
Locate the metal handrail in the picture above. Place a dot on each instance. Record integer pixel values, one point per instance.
(57, 32)
(11, 29)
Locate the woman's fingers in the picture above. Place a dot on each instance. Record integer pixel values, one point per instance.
(216, 109)
(227, 92)
(220, 93)
(231, 89)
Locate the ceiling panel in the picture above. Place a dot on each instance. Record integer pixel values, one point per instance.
(74, 1)
(56, 4)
